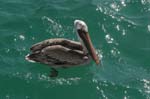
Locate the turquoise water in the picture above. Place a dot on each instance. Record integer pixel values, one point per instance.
(120, 32)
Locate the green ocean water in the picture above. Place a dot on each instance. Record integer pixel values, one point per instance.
(120, 32)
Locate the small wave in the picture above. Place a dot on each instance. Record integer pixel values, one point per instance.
(54, 28)
(44, 78)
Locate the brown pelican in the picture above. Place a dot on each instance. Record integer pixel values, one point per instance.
(63, 53)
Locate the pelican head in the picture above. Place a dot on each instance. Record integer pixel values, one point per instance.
(82, 31)
(80, 25)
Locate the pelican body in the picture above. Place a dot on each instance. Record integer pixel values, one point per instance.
(64, 53)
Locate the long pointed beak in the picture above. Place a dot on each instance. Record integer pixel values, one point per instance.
(88, 44)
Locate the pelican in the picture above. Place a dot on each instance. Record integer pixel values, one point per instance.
(64, 53)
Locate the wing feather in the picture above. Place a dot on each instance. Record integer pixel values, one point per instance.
(64, 55)
(59, 41)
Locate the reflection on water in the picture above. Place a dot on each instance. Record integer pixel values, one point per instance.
(120, 31)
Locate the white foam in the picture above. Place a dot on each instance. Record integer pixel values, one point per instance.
(22, 37)
(148, 27)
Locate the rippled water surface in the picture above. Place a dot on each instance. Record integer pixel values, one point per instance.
(120, 32)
